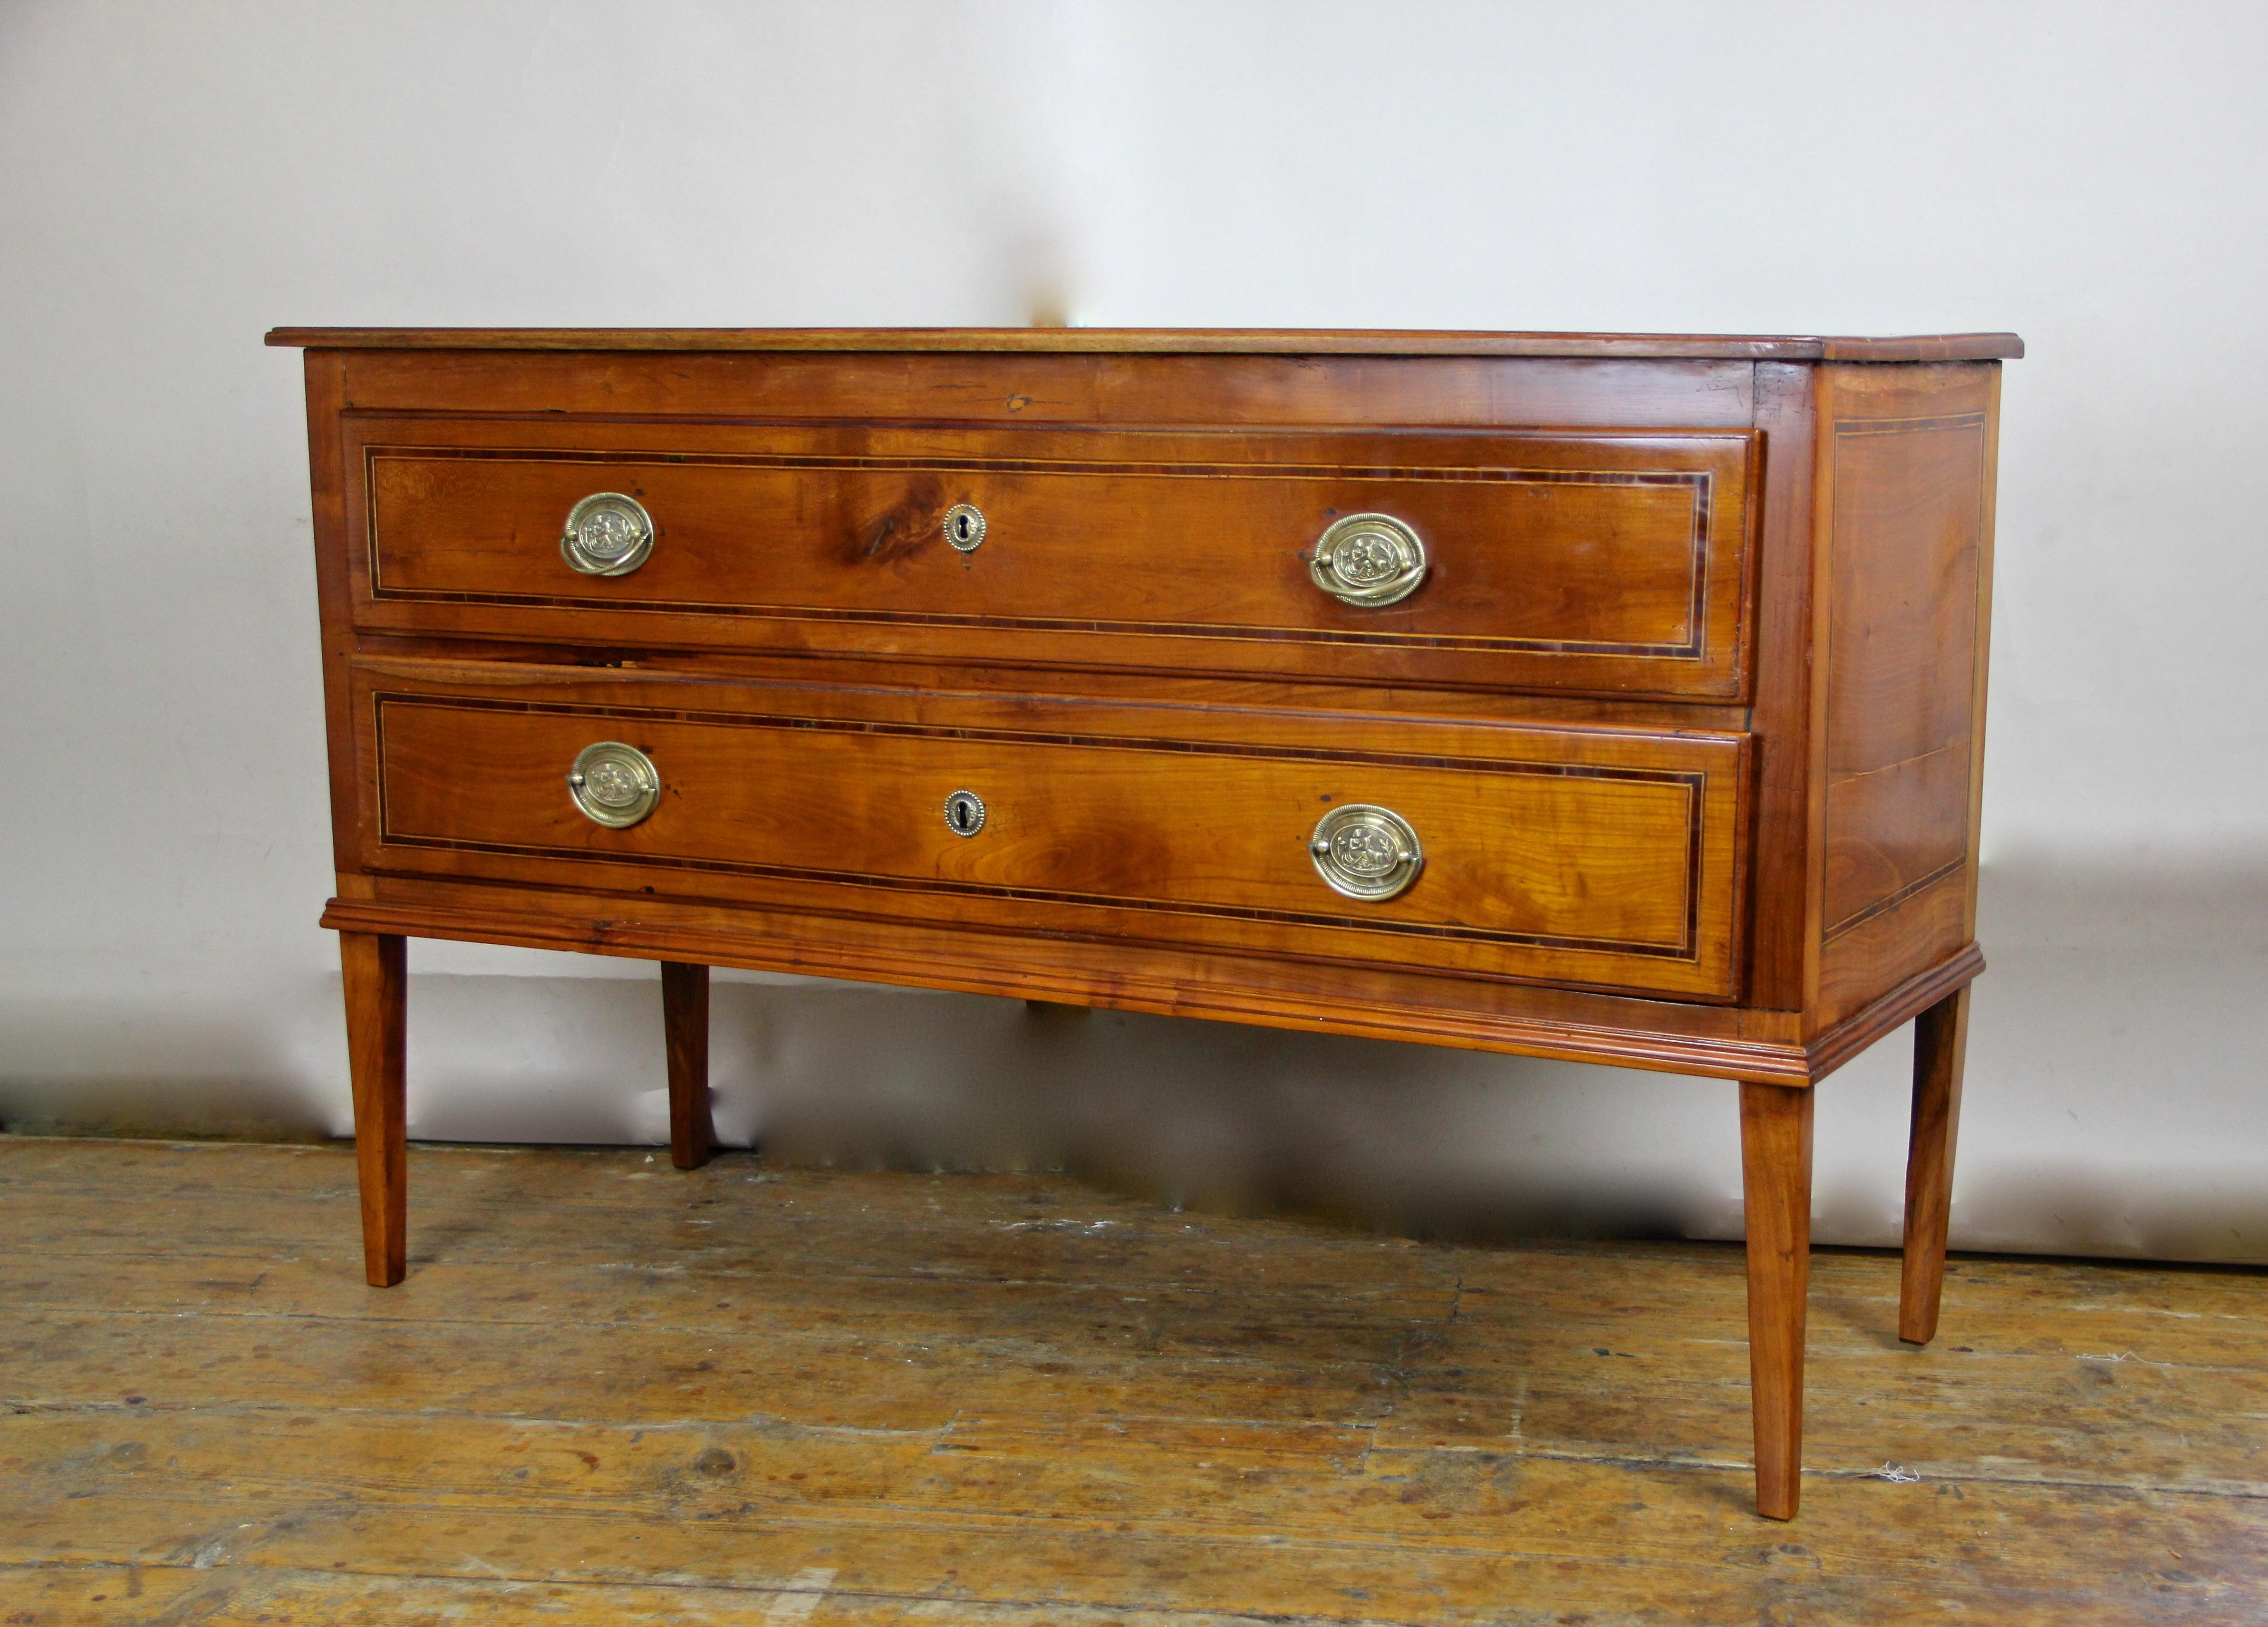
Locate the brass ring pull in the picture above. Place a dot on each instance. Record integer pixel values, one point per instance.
(614, 785)
(608, 534)
(1365, 852)
(1368, 560)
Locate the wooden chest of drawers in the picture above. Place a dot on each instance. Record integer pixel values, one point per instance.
(1607, 698)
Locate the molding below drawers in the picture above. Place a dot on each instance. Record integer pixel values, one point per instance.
(1169, 984)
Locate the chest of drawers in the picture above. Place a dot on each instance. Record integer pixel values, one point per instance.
(1609, 698)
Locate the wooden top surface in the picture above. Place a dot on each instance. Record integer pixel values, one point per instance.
(1162, 340)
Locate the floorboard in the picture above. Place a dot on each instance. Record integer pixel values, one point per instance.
(611, 1391)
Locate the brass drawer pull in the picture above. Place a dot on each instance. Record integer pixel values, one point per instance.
(614, 785)
(608, 534)
(1368, 560)
(1365, 852)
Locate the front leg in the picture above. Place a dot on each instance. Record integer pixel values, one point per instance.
(1941, 1044)
(1776, 1174)
(375, 966)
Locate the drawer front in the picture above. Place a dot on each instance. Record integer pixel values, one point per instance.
(1596, 856)
(1611, 564)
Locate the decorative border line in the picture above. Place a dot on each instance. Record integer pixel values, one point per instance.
(1909, 426)
(1891, 900)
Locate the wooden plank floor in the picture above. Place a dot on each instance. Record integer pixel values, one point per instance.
(613, 1393)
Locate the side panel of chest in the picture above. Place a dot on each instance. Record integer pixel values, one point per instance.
(1905, 503)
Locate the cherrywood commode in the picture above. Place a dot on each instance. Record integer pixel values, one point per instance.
(1610, 698)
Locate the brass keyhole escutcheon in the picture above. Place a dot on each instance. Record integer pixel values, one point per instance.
(964, 813)
(964, 527)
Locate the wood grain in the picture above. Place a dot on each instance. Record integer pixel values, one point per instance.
(1941, 1048)
(1831, 1047)
(1906, 473)
(685, 1034)
(1901, 654)
(1917, 932)
(1099, 1411)
(1376, 1001)
(1591, 857)
(1158, 341)
(377, 982)
(1784, 957)
(1776, 1181)
(326, 372)
(1607, 563)
(1259, 392)
(1990, 480)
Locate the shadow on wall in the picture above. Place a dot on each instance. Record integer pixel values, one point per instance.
(2111, 1039)
(84, 1068)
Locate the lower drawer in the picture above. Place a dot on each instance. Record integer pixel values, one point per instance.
(1600, 856)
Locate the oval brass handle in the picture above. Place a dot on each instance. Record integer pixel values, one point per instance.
(608, 534)
(614, 785)
(1368, 560)
(1365, 852)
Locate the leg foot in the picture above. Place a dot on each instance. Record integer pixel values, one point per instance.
(1775, 1170)
(1940, 1040)
(376, 968)
(685, 1022)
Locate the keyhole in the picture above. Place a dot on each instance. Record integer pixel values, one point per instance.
(964, 814)
(964, 527)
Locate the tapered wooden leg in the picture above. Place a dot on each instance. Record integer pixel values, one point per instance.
(1775, 1171)
(1940, 1042)
(685, 1021)
(377, 982)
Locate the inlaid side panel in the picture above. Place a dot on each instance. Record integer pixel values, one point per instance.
(1907, 483)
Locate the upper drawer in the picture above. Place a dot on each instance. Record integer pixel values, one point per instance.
(1605, 563)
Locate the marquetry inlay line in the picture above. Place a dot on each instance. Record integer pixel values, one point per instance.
(1179, 468)
(1692, 784)
(1909, 426)
(1891, 900)
(1042, 737)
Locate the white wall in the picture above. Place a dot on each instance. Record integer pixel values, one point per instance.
(176, 177)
